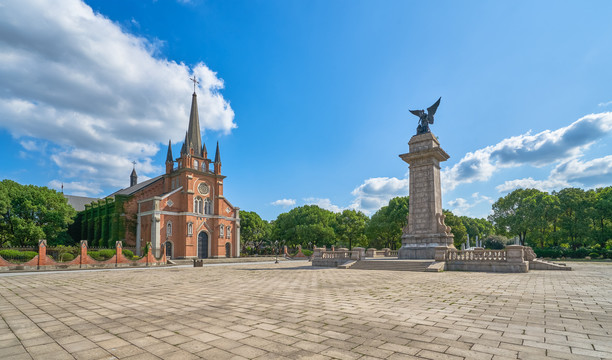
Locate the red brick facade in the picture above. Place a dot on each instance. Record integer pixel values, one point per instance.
(185, 208)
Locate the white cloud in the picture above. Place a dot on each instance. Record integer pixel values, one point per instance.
(375, 193)
(546, 147)
(98, 94)
(284, 202)
(529, 183)
(461, 206)
(76, 187)
(592, 173)
(604, 104)
(323, 204)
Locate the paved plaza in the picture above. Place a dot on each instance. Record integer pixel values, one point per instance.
(293, 311)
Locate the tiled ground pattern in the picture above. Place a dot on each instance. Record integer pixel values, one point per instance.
(267, 311)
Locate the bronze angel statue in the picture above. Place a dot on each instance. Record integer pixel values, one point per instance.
(426, 118)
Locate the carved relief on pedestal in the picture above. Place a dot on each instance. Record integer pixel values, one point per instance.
(442, 227)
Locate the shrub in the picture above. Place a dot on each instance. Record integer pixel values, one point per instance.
(579, 253)
(594, 255)
(307, 252)
(495, 242)
(128, 253)
(17, 256)
(102, 255)
(66, 257)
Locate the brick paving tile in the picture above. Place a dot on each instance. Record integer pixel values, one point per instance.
(291, 311)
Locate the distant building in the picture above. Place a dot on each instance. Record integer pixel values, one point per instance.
(185, 208)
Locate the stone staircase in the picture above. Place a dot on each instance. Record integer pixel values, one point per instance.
(392, 265)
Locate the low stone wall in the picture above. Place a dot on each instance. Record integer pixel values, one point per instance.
(83, 261)
(509, 260)
(337, 257)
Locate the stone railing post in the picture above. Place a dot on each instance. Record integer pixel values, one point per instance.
(333, 248)
(514, 254)
(387, 251)
(358, 253)
(371, 252)
(285, 250)
(42, 252)
(440, 254)
(317, 252)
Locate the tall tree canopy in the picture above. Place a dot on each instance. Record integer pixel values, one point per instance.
(29, 213)
(253, 230)
(306, 225)
(350, 228)
(384, 230)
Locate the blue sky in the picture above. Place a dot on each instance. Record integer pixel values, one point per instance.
(309, 99)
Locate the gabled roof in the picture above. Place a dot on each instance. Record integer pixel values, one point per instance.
(79, 202)
(132, 189)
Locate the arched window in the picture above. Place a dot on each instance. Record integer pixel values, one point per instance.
(169, 228)
(221, 230)
(195, 164)
(228, 232)
(190, 229)
(207, 206)
(197, 205)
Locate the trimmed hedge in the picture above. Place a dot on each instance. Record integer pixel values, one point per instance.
(17, 256)
(102, 255)
(580, 253)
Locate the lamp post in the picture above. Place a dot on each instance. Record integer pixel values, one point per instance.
(276, 244)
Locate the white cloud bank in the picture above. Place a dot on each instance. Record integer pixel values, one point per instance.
(99, 95)
(544, 148)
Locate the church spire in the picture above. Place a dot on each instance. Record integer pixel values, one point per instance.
(217, 160)
(133, 175)
(193, 140)
(169, 156)
(217, 154)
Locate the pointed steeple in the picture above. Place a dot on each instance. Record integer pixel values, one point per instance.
(169, 156)
(133, 176)
(204, 151)
(193, 140)
(184, 147)
(217, 154)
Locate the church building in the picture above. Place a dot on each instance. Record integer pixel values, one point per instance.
(184, 209)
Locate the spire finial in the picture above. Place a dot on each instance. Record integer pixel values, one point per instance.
(133, 165)
(195, 81)
(62, 187)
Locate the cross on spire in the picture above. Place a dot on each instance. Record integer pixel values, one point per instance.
(133, 164)
(195, 81)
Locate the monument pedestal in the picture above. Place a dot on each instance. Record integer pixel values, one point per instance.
(426, 229)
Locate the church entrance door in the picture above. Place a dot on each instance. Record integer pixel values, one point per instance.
(168, 249)
(202, 245)
(228, 249)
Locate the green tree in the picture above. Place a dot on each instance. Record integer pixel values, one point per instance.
(306, 225)
(574, 219)
(513, 215)
(30, 213)
(384, 230)
(457, 228)
(254, 231)
(350, 228)
(602, 215)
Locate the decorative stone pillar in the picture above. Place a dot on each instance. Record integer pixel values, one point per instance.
(371, 252)
(357, 253)
(426, 229)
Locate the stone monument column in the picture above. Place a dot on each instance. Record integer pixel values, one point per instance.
(426, 229)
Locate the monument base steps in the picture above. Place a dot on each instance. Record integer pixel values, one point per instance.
(392, 265)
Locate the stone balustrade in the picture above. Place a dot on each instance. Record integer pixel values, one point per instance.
(511, 259)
